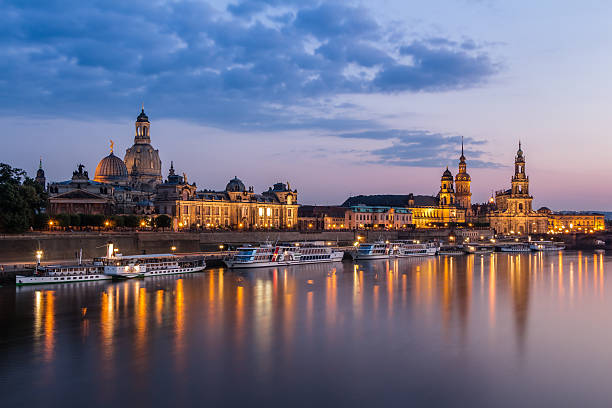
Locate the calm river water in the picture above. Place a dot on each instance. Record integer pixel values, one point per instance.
(494, 330)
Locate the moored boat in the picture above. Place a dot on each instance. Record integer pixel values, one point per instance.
(373, 250)
(268, 255)
(404, 249)
(63, 273)
(545, 246)
(451, 250)
(513, 247)
(478, 249)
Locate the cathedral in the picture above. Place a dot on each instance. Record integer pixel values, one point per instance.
(513, 213)
(119, 186)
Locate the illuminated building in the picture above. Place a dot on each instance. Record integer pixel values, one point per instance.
(321, 217)
(463, 194)
(236, 207)
(363, 216)
(142, 160)
(574, 222)
(514, 213)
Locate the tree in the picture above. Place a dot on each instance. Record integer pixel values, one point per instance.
(163, 221)
(131, 221)
(21, 198)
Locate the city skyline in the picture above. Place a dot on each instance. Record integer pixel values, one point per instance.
(375, 103)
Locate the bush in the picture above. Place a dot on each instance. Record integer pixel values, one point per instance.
(163, 221)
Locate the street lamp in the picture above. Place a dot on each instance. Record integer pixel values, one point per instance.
(173, 248)
(39, 255)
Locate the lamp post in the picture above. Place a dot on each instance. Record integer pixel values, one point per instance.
(39, 255)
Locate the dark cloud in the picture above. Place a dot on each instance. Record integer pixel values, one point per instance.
(251, 66)
(419, 148)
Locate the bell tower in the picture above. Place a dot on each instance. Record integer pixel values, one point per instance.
(142, 128)
(446, 195)
(520, 200)
(462, 184)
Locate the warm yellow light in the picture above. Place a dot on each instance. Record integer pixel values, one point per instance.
(106, 223)
(50, 222)
(220, 246)
(355, 243)
(173, 248)
(240, 225)
(180, 223)
(142, 223)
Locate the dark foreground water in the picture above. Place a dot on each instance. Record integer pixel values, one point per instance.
(497, 330)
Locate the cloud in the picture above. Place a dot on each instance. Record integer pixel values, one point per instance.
(421, 148)
(253, 65)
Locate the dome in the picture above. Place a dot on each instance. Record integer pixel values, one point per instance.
(112, 170)
(142, 117)
(235, 185)
(144, 160)
(447, 175)
(463, 177)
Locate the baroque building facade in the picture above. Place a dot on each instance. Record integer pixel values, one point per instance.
(514, 213)
(236, 207)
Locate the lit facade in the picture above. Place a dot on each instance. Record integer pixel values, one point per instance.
(514, 213)
(576, 222)
(234, 208)
(377, 217)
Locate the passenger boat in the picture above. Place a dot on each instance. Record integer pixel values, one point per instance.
(478, 249)
(543, 246)
(63, 274)
(268, 255)
(133, 266)
(406, 249)
(114, 266)
(374, 250)
(514, 247)
(451, 250)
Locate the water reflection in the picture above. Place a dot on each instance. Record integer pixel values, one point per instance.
(270, 322)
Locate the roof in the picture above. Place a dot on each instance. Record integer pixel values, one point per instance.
(78, 194)
(391, 200)
(317, 210)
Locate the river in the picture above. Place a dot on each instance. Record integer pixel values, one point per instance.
(493, 330)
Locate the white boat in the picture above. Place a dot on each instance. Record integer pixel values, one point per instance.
(514, 247)
(407, 249)
(144, 266)
(451, 250)
(63, 274)
(268, 255)
(542, 246)
(373, 250)
(478, 249)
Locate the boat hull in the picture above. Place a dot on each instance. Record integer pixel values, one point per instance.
(46, 280)
(175, 271)
(244, 265)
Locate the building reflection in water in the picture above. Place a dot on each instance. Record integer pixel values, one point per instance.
(271, 309)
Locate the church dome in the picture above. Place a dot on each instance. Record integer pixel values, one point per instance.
(235, 185)
(142, 117)
(463, 177)
(447, 175)
(144, 160)
(112, 170)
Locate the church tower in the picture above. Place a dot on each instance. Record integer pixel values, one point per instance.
(520, 201)
(446, 196)
(142, 160)
(462, 184)
(40, 176)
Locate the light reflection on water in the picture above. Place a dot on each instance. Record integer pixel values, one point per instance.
(443, 330)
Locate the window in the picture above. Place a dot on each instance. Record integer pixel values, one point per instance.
(261, 211)
(268, 212)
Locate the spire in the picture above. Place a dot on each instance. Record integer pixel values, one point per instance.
(112, 146)
(40, 164)
(461, 145)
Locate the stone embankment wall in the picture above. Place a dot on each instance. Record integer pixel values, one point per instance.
(65, 246)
